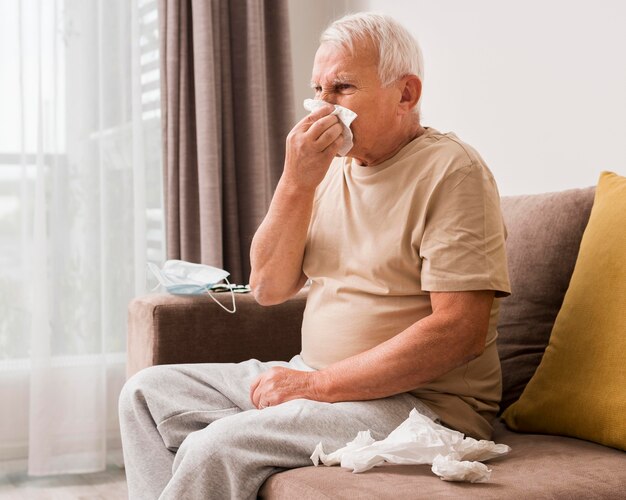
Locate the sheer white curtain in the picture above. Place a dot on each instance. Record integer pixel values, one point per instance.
(80, 214)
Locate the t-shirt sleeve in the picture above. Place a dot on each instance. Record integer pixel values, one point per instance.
(462, 246)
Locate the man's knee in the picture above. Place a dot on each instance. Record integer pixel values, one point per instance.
(138, 387)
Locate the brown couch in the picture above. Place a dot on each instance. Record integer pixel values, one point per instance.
(544, 233)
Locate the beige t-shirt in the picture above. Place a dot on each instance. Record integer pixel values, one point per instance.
(382, 237)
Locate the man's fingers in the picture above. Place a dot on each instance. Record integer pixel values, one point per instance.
(253, 396)
(329, 136)
(315, 115)
(322, 125)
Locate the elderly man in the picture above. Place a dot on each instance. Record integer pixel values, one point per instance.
(403, 242)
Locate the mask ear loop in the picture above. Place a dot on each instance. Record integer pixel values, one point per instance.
(232, 294)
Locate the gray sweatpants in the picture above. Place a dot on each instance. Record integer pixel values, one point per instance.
(191, 432)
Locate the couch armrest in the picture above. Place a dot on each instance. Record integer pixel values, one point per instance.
(168, 329)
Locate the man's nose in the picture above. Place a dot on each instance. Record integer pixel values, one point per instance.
(329, 97)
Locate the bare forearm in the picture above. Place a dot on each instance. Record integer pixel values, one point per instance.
(423, 352)
(278, 246)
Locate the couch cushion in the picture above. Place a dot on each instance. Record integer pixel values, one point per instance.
(544, 233)
(538, 467)
(579, 388)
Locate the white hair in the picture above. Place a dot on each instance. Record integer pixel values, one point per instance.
(399, 53)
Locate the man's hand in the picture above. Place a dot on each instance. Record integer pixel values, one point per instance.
(311, 146)
(278, 385)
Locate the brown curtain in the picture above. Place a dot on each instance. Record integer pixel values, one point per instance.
(227, 106)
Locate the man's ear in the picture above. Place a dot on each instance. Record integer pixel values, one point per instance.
(410, 93)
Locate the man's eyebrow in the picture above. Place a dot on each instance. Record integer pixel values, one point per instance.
(338, 79)
(344, 77)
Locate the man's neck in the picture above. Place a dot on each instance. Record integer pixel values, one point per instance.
(414, 132)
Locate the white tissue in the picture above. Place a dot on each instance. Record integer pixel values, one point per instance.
(346, 117)
(449, 469)
(418, 440)
(363, 438)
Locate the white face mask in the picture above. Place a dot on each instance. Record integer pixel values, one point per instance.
(186, 278)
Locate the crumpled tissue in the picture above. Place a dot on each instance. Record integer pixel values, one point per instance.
(418, 440)
(346, 117)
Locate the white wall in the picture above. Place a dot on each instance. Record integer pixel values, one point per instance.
(538, 87)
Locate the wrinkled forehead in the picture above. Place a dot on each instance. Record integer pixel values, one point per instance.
(334, 63)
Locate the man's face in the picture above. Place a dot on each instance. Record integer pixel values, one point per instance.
(352, 81)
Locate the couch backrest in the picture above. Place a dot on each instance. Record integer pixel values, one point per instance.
(544, 234)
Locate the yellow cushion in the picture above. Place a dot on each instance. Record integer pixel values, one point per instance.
(579, 388)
